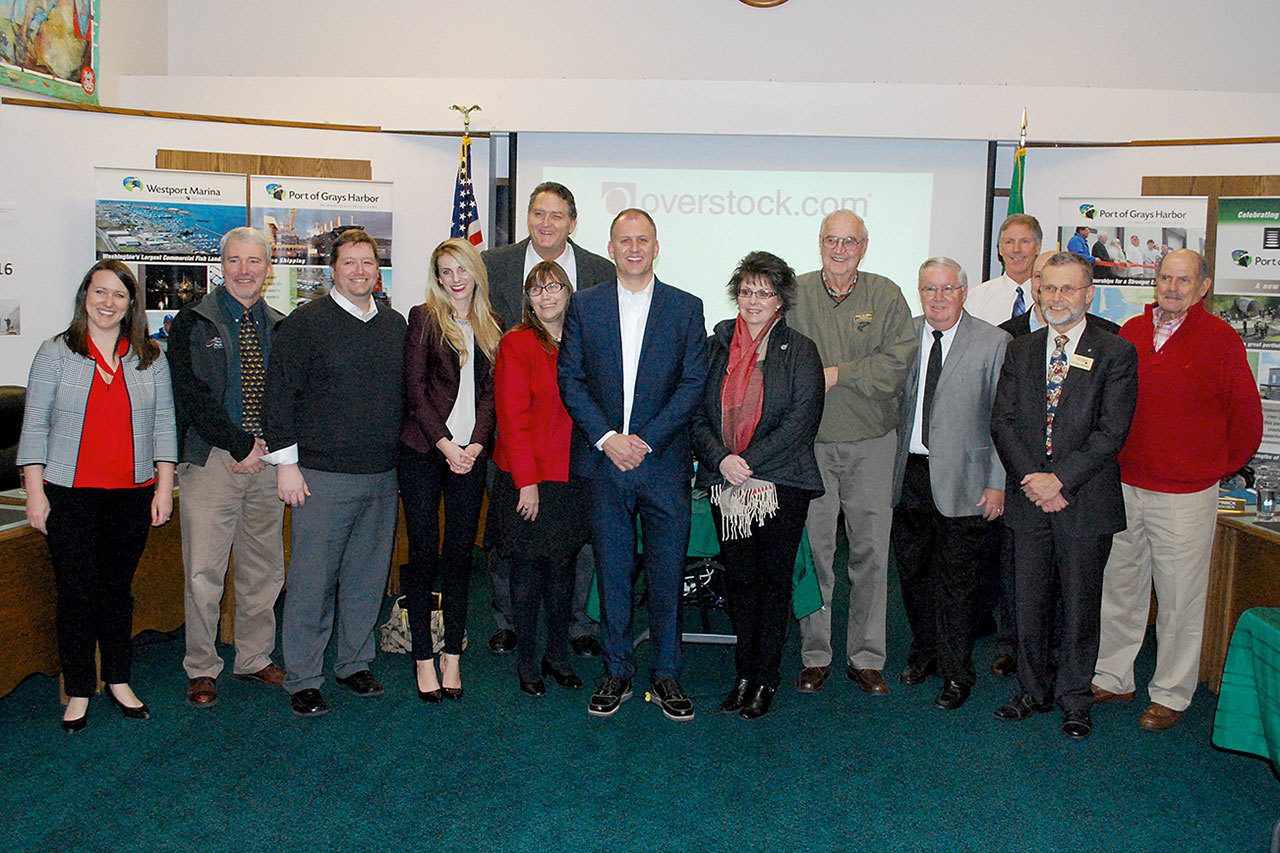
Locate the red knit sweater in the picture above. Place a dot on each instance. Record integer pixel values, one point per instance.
(1199, 416)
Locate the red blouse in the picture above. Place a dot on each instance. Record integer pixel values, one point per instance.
(105, 460)
(533, 426)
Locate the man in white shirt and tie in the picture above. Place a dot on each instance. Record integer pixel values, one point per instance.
(1009, 294)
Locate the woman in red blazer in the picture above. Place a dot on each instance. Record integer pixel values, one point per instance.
(448, 426)
(538, 507)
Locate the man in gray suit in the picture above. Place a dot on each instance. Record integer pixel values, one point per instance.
(949, 482)
(553, 215)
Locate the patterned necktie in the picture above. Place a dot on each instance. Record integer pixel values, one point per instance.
(1019, 305)
(253, 375)
(1057, 372)
(931, 373)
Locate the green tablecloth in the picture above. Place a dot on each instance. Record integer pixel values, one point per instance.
(1248, 717)
(806, 597)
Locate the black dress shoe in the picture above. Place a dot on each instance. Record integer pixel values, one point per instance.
(609, 696)
(503, 641)
(562, 675)
(667, 694)
(1021, 707)
(916, 673)
(362, 683)
(308, 703)
(586, 646)
(536, 689)
(138, 712)
(737, 697)
(757, 705)
(952, 696)
(1077, 725)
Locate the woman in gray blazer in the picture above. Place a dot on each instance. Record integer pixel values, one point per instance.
(97, 452)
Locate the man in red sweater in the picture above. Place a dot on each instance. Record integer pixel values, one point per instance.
(1199, 418)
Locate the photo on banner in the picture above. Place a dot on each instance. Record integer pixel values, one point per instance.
(51, 47)
(303, 217)
(167, 226)
(1125, 240)
(1246, 294)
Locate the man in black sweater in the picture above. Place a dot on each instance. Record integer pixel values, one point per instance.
(334, 400)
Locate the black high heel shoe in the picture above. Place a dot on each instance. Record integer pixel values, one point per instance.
(451, 692)
(138, 713)
(432, 696)
(77, 725)
(737, 697)
(566, 678)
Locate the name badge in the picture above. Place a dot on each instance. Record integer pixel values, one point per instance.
(1082, 361)
(863, 320)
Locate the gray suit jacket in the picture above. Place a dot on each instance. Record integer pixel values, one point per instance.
(57, 393)
(505, 266)
(962, 456)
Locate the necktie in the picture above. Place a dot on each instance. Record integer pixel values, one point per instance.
(253, 375)
(1057, 372)
(930, 383)
(1019, 305)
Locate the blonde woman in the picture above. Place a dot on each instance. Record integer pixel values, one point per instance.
(450, 348)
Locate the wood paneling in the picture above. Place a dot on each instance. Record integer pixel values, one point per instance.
(264, 164)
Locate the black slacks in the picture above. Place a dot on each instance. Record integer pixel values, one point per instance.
(96, 537)
(938, 560)
(424, 478)
(1050, 564)
(758, 571)
(537, 581)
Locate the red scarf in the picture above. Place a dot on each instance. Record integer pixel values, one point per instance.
(742, 392)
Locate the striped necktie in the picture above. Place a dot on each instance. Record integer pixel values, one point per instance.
(253, 375)
(1057, 372)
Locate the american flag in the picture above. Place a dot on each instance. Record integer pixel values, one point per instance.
(466, 216)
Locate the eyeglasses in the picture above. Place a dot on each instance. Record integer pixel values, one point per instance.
(945, 290)
(552, 287)
(843, 242)
(1054, 290)
(762, 295)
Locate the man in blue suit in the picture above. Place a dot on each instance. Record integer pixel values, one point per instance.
(633, 363)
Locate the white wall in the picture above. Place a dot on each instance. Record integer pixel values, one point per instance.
(926, 69)
(48, 157)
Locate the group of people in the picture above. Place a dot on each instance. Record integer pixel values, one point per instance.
(1111, 256)
(1001, 443)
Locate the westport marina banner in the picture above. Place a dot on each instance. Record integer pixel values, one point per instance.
(303, 217)
(1125, 239)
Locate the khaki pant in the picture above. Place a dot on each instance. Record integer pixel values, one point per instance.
(221, 510)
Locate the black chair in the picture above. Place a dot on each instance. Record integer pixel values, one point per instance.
(13, 400)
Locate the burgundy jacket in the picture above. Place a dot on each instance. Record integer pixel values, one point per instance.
(431, 372)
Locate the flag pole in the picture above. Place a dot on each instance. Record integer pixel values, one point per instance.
(466, 214)
(1019, 169)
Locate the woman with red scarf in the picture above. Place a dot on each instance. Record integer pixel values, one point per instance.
(753, 436)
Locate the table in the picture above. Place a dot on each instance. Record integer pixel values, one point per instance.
(1244, 572)
(1248, 716)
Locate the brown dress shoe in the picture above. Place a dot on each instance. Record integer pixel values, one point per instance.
(812, 678)
(1158, 718)
(270, 675)
(870, 680)
(1004, 666)
(1100, 695)
(202, 692)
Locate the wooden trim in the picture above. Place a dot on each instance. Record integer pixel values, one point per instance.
(1162, 143)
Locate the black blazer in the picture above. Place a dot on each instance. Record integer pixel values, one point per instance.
(505, 267)
(431, 375)
(781, 450)
(1021, 325)
(1089, 429)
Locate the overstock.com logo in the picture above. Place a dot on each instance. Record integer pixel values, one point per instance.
(617, 196)
(1241, 257)
(132, 184)
(275, 191)
(1088, 211)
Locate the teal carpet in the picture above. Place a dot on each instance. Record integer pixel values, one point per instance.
(499, 771)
